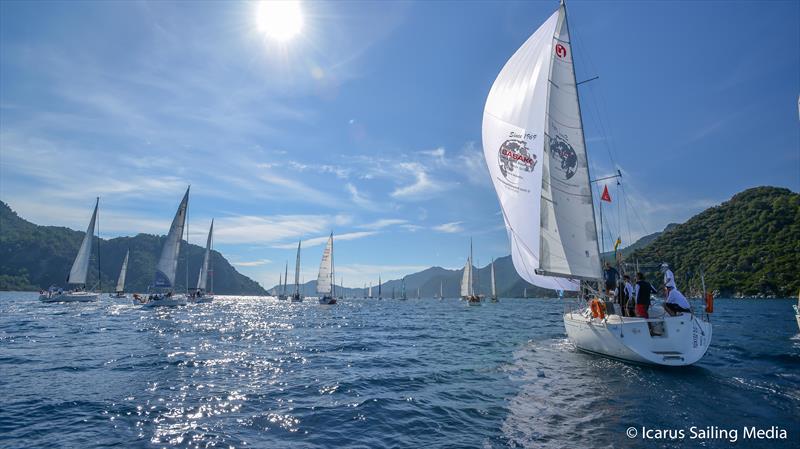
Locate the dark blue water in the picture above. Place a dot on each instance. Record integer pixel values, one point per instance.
(255, 372)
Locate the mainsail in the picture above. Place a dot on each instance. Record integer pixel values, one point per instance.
(466, 279)
(203, 276)
(122, 273)
(325, 278)
(168, 263)
(80, 267)
(534, 146)
(297, 271)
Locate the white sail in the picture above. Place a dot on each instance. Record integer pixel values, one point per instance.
(466, 279)
(297, 271)
(202, 278)
(122, 273)
(494, 288)
(549, 233)
(369, 295)
(80, 267)
(168, 262)
(324, 279)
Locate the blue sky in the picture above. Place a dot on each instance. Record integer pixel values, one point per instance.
(368, 123)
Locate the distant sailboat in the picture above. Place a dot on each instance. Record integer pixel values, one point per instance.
(467, 288)
(326, 285)
(369, 295)
(163, 287)
(120, 291)
(296, 296)
(282, 296)
(403, 289)
(441, 290)
(79, 271)
(494, 286)
(200, 295)
(418, 297)
(380, 295)
(797, 310)
(534, 146)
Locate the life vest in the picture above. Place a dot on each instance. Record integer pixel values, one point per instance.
(709, 302)
(598, 309)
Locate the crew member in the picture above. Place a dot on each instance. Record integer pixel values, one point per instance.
(611, 276)
(676, 302)
(643, 291)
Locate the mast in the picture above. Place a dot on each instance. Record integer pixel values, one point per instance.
(471, 288)
(379, 287)
(99, 279)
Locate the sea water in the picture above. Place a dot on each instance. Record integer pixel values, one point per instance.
(257, 372)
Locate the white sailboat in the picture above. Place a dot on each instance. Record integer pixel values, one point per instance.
(369, 294)
(441, 290)
(79, 271)
(200, 295)
(534, 146)
(403, 289)
(282, 296)
(162, 292)
(380, 293)
(494, 287)
(120, 291)
(467, 288)
(296, 296)
(326, 285)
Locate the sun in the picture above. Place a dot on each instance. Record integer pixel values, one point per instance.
(279, 20)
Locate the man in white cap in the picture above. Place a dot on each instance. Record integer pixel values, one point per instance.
(669, 278)
(676, 303)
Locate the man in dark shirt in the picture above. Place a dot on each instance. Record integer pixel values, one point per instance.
(611, 276)
(643, 291)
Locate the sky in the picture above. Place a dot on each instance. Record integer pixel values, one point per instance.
(368, 122)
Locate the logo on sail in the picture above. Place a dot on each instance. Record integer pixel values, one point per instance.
(514, 155)
(562, 152)
(561, 51)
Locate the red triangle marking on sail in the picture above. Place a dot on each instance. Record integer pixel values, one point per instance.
(606, 196)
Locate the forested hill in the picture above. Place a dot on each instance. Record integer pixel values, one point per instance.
(34, 257)
(748, 246)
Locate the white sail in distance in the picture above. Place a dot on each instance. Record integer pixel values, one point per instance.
(123, 272)
(297, 271)
(80, 267)
(202, 278)
(324, 279)
(466, 279)
(168, 262)
(537, 161)
(494, 288)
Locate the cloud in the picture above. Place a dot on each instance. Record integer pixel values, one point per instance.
(449, 228)
(316, 241)
(252, 229)
(359, 199)
(383, 223)
(437, 154)
(423, 187)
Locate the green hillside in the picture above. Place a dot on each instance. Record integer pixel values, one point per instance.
(748, 246)
(34, 257)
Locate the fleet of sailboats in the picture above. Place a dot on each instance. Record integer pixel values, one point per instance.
(79, 271)
(535, 149)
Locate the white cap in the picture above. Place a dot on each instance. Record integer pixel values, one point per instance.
(664, 266)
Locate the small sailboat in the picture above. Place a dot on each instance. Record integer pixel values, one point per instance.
(163, 288)
(199, 295)
(296, 296)
(120, 291)
(79, 271)
(380, 294)
(534, 146)
(467, 288)
(797, 310)
(403, 289)
(326, 286)
(494, 286)
(441, 290)
(282, 296)
(369, 294)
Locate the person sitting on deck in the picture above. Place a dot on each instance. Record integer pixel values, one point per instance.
(676, 302)
(643, 290)
(628, 297)
(610, 275)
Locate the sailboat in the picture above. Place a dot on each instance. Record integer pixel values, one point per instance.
(162, 291)
(326, 286)
(380, 295)
(120, 291)
(797, 310)
(403, 289)
(282, 296)
(199, 295)
(296, 296)
(467, 288)
(441, 290)
(79, 271)
(418, 297)
(369, 294)
(494, 286)
(535, 149)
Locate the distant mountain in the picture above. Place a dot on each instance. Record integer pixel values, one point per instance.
(34, 257)
(748, 246)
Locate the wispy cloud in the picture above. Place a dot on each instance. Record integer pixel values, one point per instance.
(383, 223)
(316, 241)
(423, 187)
(449, 228)
(253, 263)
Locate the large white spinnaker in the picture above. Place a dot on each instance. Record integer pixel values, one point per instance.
(202, 279)
(123, 272)
(168, 262)
(522, 141)
(324, 279)
(80, 267)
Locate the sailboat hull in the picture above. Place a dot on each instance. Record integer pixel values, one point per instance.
(202, 299)
(674, 341)
(327, 300)
(70, 297)
(297, 298)
(161, 301)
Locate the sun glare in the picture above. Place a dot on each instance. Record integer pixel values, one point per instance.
(280, 20)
